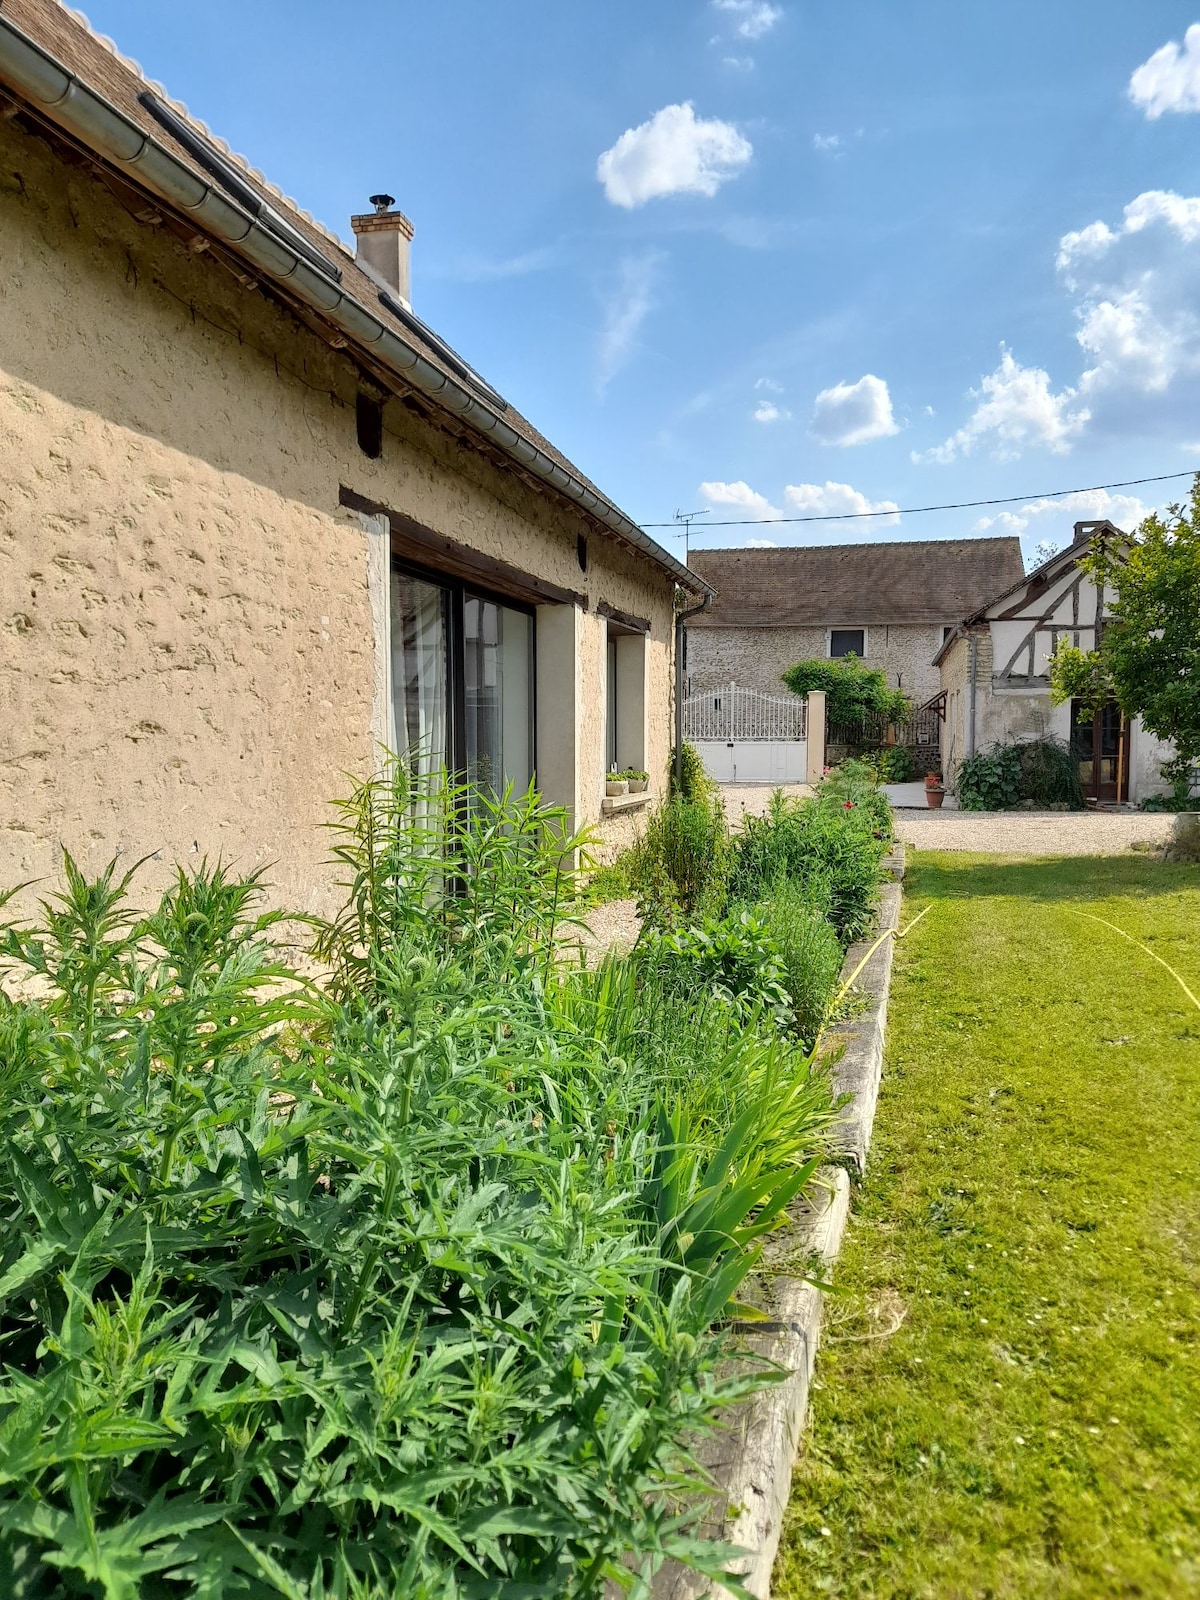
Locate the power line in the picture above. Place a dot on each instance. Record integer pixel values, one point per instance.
(916, 511)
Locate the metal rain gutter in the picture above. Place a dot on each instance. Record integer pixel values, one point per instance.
(66, 100)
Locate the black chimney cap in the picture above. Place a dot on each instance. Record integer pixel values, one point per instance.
(383, 202)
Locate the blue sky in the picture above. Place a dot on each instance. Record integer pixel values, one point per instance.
(773, 257)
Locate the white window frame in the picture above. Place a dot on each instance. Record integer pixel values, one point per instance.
(847, 627)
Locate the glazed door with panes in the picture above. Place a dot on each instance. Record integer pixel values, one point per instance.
(1101, 745)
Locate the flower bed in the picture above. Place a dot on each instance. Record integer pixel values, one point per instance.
(413, 1283)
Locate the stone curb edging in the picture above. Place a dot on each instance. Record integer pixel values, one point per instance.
(751, 1457)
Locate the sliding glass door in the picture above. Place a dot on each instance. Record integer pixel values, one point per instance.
(498, 693)
(462, 680)
(420, 670)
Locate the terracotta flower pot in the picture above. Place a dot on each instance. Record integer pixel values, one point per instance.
(934, 797)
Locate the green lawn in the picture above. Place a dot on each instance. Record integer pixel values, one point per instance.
(1008, 1401)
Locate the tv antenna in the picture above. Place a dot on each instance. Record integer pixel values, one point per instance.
(687, 518)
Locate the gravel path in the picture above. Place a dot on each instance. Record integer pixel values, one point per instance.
(752, 799)
(1033, 833)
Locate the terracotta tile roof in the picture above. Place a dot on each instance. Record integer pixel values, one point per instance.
(928, 580)
(68, 37)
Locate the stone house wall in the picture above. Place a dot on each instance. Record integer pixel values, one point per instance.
(756, 658)
(188, 652)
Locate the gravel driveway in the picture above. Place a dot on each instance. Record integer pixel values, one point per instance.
(1033, 833)
(1005, 833)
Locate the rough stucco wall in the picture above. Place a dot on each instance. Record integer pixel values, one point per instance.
(756, 658)
(186, 645)
(1146, 756)
(954, 676)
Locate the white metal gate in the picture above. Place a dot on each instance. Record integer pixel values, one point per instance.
(748, 736)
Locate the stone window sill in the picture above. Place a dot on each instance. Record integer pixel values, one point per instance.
(624, 802)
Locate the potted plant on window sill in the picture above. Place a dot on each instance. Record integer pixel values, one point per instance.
(615, 785)
(638, 782)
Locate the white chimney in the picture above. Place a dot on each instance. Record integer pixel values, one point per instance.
(384, 237)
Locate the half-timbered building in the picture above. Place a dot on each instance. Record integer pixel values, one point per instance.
(995, 670)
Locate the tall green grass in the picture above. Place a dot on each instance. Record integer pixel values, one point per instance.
(413, 1283)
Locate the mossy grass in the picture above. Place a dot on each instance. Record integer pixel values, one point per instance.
(1008, 1398)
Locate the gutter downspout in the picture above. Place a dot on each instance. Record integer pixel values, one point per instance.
(680, 619)
(66, 100)
(974, 679)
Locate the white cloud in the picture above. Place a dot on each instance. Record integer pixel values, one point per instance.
(675, 152)
(1085, 505)
(626, 306)
(1017, 408)
(854, 413)
(1170, 80)
(1128, 343)
(827, 143)
(761, 544)
(1134, 288)
(1137, 304)
(836, 499)
(768, 411)
(802, 500)
(753, 19)
(1091, 241)
(740, 497)
(1178, 213)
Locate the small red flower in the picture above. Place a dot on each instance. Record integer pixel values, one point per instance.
(847, 805)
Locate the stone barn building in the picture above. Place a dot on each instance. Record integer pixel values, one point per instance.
(893, 605)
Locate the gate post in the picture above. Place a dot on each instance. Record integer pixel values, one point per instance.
(815, 753)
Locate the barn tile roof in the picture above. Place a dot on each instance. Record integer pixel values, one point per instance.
(914, 581)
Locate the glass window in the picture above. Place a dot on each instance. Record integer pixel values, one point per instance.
(498, 693)
(462, 681)
(847, 641)
(420, 677)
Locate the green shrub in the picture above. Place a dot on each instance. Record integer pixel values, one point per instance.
(853, 691)
(854, 786)
(830, 846)
(612, 881)
(734, 958)
(891, 763)
(990, 780)
(405, 1286)
(1000, 777)
(694, 781)
(1050, 774)
(680, 865)
(809, 952)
